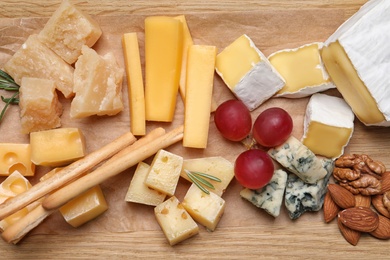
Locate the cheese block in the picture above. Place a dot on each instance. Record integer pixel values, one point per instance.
(39, 105)
(199, 91)
(84, 207)
(298, 159)
(215, 166)
(328, 125)
(356, 58)
(139, 192)
(175, 221)
(67, 30)
(16, 157)
(135, 84)
(36, 60)
(270, 197)
(163, 57)
(97, 85)
(206, 209)
(15, 217)
(47, 147)
(164, 172)
(303, 70)
(247, 72)
(13, 185)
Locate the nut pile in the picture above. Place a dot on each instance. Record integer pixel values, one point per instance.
(361, 198)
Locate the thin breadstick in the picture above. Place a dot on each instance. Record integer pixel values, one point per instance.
(66, 175)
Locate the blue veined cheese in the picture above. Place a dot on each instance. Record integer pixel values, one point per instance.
(301, 197)
(298, 159)
(270, 197)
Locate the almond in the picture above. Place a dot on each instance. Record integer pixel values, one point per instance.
(377, 202)
(352, 236)
(362, 201)
(383, 229)
(330, 208)
(360, 219)
(341, 196)
(385, 182)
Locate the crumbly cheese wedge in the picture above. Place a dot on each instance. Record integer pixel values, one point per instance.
(328, 125)
(247, 72)
(67, 30)
(16, 157)
(302, 69)
(34, 59)
(13, 185)
(270, 197)
(199, 91)
(356, 57)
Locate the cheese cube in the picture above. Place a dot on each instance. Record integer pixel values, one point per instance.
(175, 221)
(67, 30)
(216, 166)
(206, 209)
(328, 125)
(163, 56)
(139, 192)
(247, 72)
(84, 207)
(303, 70)
(13, 185)
(164, 172)
(36, 60)
(97, 85)
(47, 147)
(39, 105)
(16, 157)
(199, 91)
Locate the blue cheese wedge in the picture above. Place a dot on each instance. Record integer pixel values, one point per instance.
(270, 197)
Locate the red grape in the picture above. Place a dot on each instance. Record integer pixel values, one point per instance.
(272, 127)
(253, 169)
(233, 120)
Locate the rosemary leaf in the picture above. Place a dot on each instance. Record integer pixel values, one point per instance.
(195, 181)
(203, 181)
(208, 176)
(7, 101)
(7, 82)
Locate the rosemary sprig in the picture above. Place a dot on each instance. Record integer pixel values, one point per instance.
(199, 179)
(8, 83)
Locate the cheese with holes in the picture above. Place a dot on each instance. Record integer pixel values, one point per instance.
(328, 125)
(67, 30)
(199, 91)
(356, 57)
(39, 105)
(139, 192)
(13, 185)
(303, 70)
(16, 157)
(206, 209)
(36, 60)
(97, 85)
(247, 72)
(48, 147)
(175, 221)
(163, 57)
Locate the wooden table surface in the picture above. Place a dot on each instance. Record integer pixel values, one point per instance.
(292, 239)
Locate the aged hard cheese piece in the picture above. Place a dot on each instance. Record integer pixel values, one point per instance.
(48, 147)
(16, 157)
(67, 30)
(97, 85)
(139, 192)
(328, 125)
(34, 59)
(247, 72)
(175, 221)
(270, 197)
(39, 105)
(303, 70)
(163, 57)
(199, 91)
(356, 58)
(13, 185)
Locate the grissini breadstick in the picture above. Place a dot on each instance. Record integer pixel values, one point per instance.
(143, 149)
(66, 175)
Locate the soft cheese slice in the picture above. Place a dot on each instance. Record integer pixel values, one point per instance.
(328, 125)
(303, 70)
(67, 30)
(298, 159)
(163, 57)
(16, 157)
(36, 60)
(247, 72)
(270, 197)
(356, 57)
(13, 185)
